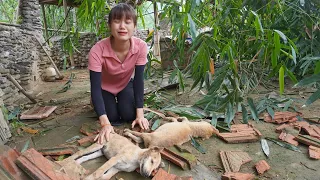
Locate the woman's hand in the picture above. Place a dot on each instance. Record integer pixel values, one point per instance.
(104, 134)
(143, 123)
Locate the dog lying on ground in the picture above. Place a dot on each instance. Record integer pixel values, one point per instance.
(122, 155)
(173, 133)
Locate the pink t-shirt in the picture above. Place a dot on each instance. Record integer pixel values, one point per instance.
(115, 74)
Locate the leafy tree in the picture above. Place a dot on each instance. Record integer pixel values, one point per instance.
(8, 10)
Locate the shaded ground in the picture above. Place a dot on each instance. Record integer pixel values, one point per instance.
(74, 110)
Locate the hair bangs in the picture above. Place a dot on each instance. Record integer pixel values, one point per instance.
(122, 10)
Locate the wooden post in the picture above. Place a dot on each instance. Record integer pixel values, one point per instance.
(67, 29)
(156, 32)
(45, 21)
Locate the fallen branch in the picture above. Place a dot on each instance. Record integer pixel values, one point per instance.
(60, 76)
(20, 88)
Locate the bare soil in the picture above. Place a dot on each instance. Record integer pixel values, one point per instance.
(74, 109)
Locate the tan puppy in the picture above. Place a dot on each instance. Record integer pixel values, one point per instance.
(173, 133)
(122, 155)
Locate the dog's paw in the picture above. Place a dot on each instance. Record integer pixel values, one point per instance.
(126, 134)
(126, 130)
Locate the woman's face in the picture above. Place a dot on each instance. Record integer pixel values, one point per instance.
(122, 29)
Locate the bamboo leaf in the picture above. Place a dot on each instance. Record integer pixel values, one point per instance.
(156, 124)
(315, 96)
(283, 37)
(294, 55)
(270, 112)
(141, 17)
(283, 144)
(192, 25)
(257, 23)
(253, 109)
(197, 145)
(287, 105)
(229, 114)
(214, 119)
(245, 116)
(312, 79)
(189, 112)
(173, 75)
(25, 147)
(281, 79)
(317, 68)
(291, 76)
(180, 78)
(265, 147)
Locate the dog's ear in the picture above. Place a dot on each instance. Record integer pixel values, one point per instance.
(158, 149)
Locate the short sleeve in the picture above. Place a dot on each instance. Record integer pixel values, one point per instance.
(95, 63)
(143, 52)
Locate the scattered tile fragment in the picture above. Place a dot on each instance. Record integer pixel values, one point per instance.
(280, 128)
(241, 133)
(163, 175)
(314, 152)
(86, 141)
(57, 151)
(237, 176)
(282, 117)
(262, 166)
(288, 138)
(308, 140)
(38, 167)
(232, 160)
(175, 159)
(38, 112)
(90, 129)
(8, 156)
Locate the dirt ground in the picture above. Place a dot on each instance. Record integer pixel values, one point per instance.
(74, 109)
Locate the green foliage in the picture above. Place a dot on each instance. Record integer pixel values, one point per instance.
(8, 10)
(252, 40)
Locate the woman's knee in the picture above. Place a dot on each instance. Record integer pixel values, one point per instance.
(128, 115)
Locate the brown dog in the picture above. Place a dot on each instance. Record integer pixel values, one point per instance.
(173, 133)
(122, 155)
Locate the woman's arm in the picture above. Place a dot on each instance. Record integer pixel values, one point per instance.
(138, 88)
(96, 95)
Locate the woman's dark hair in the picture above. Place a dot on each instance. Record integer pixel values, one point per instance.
(120, 10)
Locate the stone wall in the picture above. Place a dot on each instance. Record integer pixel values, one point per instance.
(84, 44)
(22, 57)
(80, 55)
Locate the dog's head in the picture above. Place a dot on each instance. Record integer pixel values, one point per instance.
(150, 160)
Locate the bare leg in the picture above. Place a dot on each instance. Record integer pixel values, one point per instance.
(172, 119)
(89, 150)
(134, 138)
(182, 119)
(104, 168)
(94, 147)
(110, 173)
(89, 156)
(135, 133)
